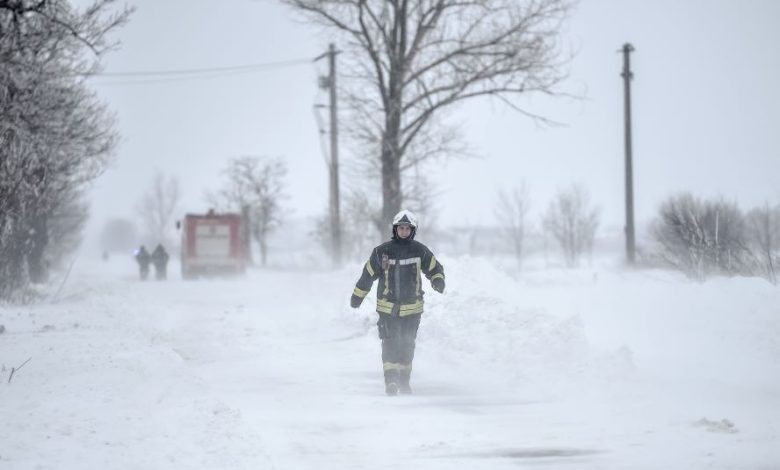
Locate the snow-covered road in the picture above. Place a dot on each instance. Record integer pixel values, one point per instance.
(579, 369)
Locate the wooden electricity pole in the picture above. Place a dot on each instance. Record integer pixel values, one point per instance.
(329, 83)
(627, 76)
(335, 210)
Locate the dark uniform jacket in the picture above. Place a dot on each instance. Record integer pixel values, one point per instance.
(159, 256)
(142, 256)
(398, 265)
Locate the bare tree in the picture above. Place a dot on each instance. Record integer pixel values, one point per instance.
(763, 230)
(408, 61)
(512, 211)
(572, 222)
(158, 208)
(256, 186)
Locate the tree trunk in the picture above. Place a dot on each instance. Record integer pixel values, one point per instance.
(391, 183)
(391, 148)
(247, 234)
(263, 251)
(12, 275)
(261, 237)
(391, 159)
(36, 263)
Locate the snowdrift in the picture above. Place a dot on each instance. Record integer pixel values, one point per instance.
(589, 368)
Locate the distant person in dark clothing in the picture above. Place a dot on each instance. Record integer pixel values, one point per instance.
(143, 259)
(160, 260)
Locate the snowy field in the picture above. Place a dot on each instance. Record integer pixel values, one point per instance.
(594, 368)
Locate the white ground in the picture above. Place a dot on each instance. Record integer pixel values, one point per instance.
(593, 368)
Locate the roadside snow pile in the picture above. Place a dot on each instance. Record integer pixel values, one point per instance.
(558, 329)
(488, 327)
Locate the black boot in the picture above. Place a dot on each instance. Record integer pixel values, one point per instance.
(404, 386)
(392, 380)
(391, 389)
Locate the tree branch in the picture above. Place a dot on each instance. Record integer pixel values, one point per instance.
(14, 369)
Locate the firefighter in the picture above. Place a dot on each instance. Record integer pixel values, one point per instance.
(160, 261)
(397, 264)
(143, 258)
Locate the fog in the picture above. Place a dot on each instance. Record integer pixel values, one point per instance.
(705, 110)
(541, 359)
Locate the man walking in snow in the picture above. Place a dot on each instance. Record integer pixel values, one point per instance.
(397, 264)
(143, 258)
(160, 261)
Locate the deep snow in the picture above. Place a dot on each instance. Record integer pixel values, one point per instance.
(590, 368)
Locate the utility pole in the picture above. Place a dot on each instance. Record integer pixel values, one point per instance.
(627, 76)
(329, 82)
(335, 210)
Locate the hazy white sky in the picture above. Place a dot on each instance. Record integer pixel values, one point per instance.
(706, 106)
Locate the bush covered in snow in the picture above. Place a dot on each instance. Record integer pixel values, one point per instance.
(703, 237)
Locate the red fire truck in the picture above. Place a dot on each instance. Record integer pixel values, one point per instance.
(212, 244)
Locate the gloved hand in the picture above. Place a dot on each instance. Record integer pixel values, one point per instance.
(355, 301)
(438, 284)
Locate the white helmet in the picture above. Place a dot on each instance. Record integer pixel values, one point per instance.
(405, 217)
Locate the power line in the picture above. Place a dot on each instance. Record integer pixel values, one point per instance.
(158, 76)
(161, 76)
(233, 68)
(142, 81)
